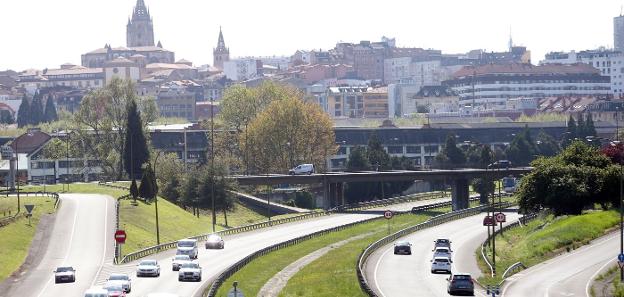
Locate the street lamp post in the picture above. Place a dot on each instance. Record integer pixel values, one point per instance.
(156, 199)
(212, 157)
(17, 179)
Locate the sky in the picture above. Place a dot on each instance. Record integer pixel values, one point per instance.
(45, 34)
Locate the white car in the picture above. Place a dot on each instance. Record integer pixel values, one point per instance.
(187, 247)
(215, 241)
(441, 264)
(120, 279)
(64, 275)
(190, 271)
(96, 292)
(178, 260)
(148, 268)
(442, 252)
(302, 169)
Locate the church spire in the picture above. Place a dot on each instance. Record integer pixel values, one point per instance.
(221, 53)
(221, 43)
(140, 10)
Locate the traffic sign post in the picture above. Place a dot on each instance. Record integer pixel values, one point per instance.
(488, 221)
(501, 218)
(235, 292)
(120, 238)
(620, 258)
(29, 209)
(388, 214)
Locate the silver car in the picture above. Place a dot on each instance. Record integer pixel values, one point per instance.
(190, 271)
(120, 279)
(148, 268)
(66, 274)
(178, 260)
(215, 241)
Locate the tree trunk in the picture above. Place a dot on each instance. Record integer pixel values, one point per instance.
(225, 216)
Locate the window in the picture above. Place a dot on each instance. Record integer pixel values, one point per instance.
(395, 149)
(342, 150)
(413, 149)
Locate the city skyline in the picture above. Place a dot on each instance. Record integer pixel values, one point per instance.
(275, 28)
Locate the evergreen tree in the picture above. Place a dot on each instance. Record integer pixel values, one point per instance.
(378, 158)
(23, 113)
(50, 111)
(581, 129)
(589, 125)
(6, 117)
(36, 110)
(570, 133)
(522, 149)
(136, 152)
(134, 191)
(451, 154)
(148, 188)
(546, 145)
(486, 156)
(357, 160)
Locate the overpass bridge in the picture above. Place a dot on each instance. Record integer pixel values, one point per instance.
(333, 182)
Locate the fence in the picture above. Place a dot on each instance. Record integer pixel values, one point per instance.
(519, 222)
(437, 220)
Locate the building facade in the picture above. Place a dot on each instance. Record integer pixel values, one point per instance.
(242, 69)
(489, 86)
(221, 53)
(357, 102)
(618, 33)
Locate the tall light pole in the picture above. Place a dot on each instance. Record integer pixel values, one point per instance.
(619, 147)
(17, 180)
(212, 155)
(156, 198)
(67, 158)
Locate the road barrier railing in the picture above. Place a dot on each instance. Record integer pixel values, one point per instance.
(391, 201)
(11, 218)
(521, 221)
(437, 220)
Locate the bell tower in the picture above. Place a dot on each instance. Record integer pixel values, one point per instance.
(140, 28)
(220, 53)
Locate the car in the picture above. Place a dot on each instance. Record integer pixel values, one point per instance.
(115, 290)
(302, 169)
(403, 248)
(187, 247)
(500, 164)
(215, 241)
(442, 242)
(120, 279)
(95, 292)
(442, 252)
(178, 260)
(460, 283)
(441, 264)
(148, 268)
(64, 274)
(190, 271)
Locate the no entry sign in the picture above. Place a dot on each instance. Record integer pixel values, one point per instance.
(120, 236)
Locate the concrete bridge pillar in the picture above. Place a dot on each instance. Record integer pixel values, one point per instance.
(460, 194)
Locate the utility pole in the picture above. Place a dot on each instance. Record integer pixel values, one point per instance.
(212, 156)
(156, 200)
(67, 179)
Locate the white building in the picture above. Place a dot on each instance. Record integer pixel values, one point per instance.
(242, 69)
(68, 75)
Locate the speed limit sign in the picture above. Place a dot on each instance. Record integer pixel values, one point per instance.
(388, 214)
(500, 217)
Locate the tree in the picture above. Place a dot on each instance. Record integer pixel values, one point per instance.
(358, 160)
(484, 186)
(134, 191)
(23, 113)
(148, 188)
(223, 198)
(378, 158)
(190, 191)
(570, 133)
(614, 152)
(6, 117)
(50, 111)
(170, 174)
(135, 149)
(546, 145)
(451, 155)
(36, 110)
(590, 129)
(521, 149)
(581, 129)
(289, 129)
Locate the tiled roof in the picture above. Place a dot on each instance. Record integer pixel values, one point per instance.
(30, 142)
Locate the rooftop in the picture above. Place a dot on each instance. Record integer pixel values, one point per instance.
(526, 69)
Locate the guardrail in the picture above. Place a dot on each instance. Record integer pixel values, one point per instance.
(7, 220)
(169, 245)
(390, 201)
(522, 220)
(417, 209)
(106, 184)
(437, 220)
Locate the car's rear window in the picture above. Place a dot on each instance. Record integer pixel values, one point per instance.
(118, 277)
(461, 277)
(149, 263)
(186, 243)
(63, 269)
(443, 260)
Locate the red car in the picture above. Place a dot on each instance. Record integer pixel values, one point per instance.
(115, 290)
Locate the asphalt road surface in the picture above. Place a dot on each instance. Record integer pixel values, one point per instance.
(567, 275)
(410, 275)
(81, 237)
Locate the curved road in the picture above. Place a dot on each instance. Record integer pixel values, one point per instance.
(81, 237)
(400, 275)
(566, 275)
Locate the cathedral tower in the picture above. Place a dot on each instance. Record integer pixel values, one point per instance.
(140, 29)
(221, 53)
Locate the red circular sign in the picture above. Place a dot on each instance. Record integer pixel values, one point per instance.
(388, 214)
(120, 236)
(500, 217)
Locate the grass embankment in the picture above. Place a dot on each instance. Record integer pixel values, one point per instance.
(545, 238)
(331, 275)
(608, 284)
(17, 236)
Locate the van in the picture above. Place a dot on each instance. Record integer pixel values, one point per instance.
(188, 247)
(302, 169)
(95, 292)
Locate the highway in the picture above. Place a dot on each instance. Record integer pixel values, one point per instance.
(392, 275)
(565, 275)
(81, 237)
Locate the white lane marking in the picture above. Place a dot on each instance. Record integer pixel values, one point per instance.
(377, 268)
(558, 259)
(594, 276)
(105, 242)
(71, 238)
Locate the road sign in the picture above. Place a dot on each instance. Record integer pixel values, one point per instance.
(29, 208)
(388, 214)
(120, 236)
(621, 257)
(488, 221)
(500, 217)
